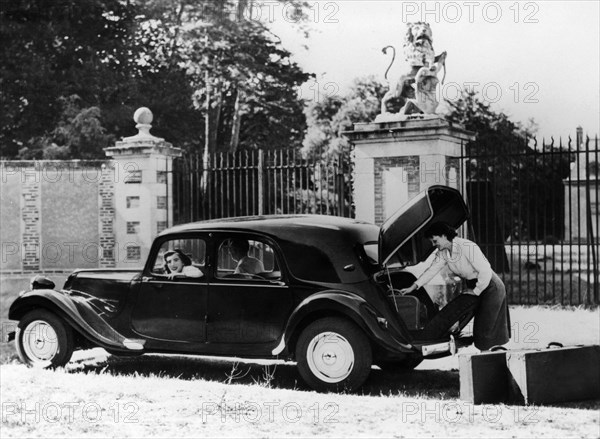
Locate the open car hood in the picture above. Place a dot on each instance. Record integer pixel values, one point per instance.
(402, 233)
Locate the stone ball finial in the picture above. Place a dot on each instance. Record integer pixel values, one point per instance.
(143, 115)
(143, 119)
(143, 122)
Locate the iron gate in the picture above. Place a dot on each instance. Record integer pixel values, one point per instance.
(260, 182)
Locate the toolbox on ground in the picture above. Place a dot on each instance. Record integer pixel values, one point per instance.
(554, 375)
(483, 377)
(543, 376)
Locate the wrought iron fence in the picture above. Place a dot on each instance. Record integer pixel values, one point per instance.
(261, 183)
(535, 213)
(534, 207)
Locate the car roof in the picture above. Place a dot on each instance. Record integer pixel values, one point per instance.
(316, 247)
(275, 224)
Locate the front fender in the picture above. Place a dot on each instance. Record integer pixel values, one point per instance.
(77, 312)
(350, 305)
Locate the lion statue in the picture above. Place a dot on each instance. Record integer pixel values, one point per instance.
(423, 66)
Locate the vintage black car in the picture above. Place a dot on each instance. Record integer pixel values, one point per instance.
(326, 296)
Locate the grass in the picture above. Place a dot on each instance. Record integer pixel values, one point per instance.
(184, 396)
(163, 396)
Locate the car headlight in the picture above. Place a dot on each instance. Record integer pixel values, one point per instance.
(41, 282)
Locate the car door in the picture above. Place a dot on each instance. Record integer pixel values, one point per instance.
(247, 308)
(173, 309)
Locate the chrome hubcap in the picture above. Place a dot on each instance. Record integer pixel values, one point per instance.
(330, 357)
(40, 342)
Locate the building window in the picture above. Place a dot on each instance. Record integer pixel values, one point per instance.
(133, 176)
(133, 202)
(133, 227)
(161, 177)
(134, 253)
(161, 202)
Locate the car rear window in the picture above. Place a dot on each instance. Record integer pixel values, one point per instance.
(309, 262)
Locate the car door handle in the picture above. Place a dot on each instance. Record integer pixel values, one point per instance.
(277, 282)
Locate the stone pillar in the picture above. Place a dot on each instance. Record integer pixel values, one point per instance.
(106, 216)
(143, 190)
(30, 214)
(396, 160)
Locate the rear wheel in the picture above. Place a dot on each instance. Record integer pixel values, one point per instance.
(44, 340)
(333, 354)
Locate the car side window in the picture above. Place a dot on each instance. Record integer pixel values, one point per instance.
(241, 258)
(182, 257)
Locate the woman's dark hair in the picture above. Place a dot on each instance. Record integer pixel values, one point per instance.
(185, 259)
(439, 229)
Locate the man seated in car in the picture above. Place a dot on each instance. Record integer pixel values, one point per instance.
(238, 249)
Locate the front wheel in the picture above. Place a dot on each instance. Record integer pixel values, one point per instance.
(44, 340)
(333, 354)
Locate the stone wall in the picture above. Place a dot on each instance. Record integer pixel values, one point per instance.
(56, 215)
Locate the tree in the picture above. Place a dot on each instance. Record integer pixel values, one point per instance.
(118, 55)
(53, 50)
(324, 142)
(79, 133)
(329, 117)
(244, 81)
(526, 176)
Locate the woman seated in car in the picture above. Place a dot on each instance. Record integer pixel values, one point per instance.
(178, 264)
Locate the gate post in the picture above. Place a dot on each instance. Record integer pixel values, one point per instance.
(396, 160)
(143, 190)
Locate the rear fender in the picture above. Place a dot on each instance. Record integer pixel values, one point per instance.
(78, 313)
(352, 306)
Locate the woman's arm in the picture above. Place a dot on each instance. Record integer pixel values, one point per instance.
(435, 267)
(483, 267)
(191, 271)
